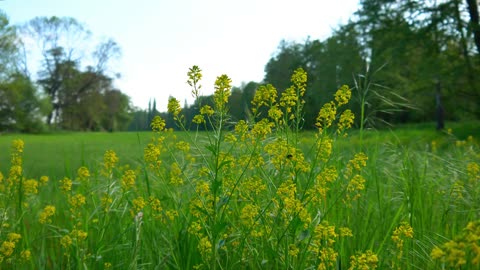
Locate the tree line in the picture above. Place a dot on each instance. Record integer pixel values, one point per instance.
(406, 60)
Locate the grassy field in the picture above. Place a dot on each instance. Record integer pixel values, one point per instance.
(263, 195)
(413, 204)
(59, 155)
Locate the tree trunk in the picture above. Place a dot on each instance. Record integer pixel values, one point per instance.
(439, 110)
(474, 22)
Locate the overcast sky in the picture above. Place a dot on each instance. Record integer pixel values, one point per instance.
(161, 39)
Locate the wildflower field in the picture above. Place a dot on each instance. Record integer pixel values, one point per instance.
(258, 194)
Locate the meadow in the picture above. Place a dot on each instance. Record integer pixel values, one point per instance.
(261, 194)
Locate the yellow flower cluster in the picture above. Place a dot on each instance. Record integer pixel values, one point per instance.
(157, 124)
(83, 173)
(364, 261)
(66, 184)
(222, 92)
(354, 187)
(138, 204)
(292, 97)
(289, 100)
(174, 107)
(176, 174)
(241, 129)
(261, 129)
(46, 214)
(8, 246)
(252, 187)
(76, 201)
(324, 148)
(200, 118)
(357, 163)
(30, 186)
(343, 95)
(156, 206)
(281, 155)
(110, 159)
(473, 172)
(293, 250)
(206, 110)
(326, 116)
(43, 180)
(324, 238)
(205, 248)
(151, 154)
(128, 179)
(463, 250)
(299, 80)
(249, 219)
(346, 121)
(292, 206)
(16, 171)
(403, 231)
(266, 95)
(327, 176)
(66, 241)
(194, 76)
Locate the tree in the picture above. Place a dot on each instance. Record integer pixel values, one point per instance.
(472, 6)
(61, 77)
(20, 106)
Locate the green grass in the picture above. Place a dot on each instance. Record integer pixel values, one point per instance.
(405, 181)
(59, 155)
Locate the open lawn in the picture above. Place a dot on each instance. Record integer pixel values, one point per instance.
(61, 154)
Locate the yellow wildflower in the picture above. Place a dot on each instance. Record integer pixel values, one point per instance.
(175, 174)
(326, 116)
(194, 76)
(345, 232)
(346, 121)
(66, 184)
(43, 180)
(128, 179)
(46, 214)
(174, 107)
(265, 95)
(138, 205)
(206, 110)
(66, 241)
(83, 173)
(158, 124)
(262, 128)
(363, 261)
(79, 235)
(222, 92)
(30, 186)
(198, 119)
(76, 201)
(205, 247)
(400, 234)
(26, 255)
(110, 159)
(342, 96)
(293, 250)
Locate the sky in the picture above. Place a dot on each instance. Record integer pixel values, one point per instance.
(160, 40)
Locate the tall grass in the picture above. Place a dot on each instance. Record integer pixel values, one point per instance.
(249, 195)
